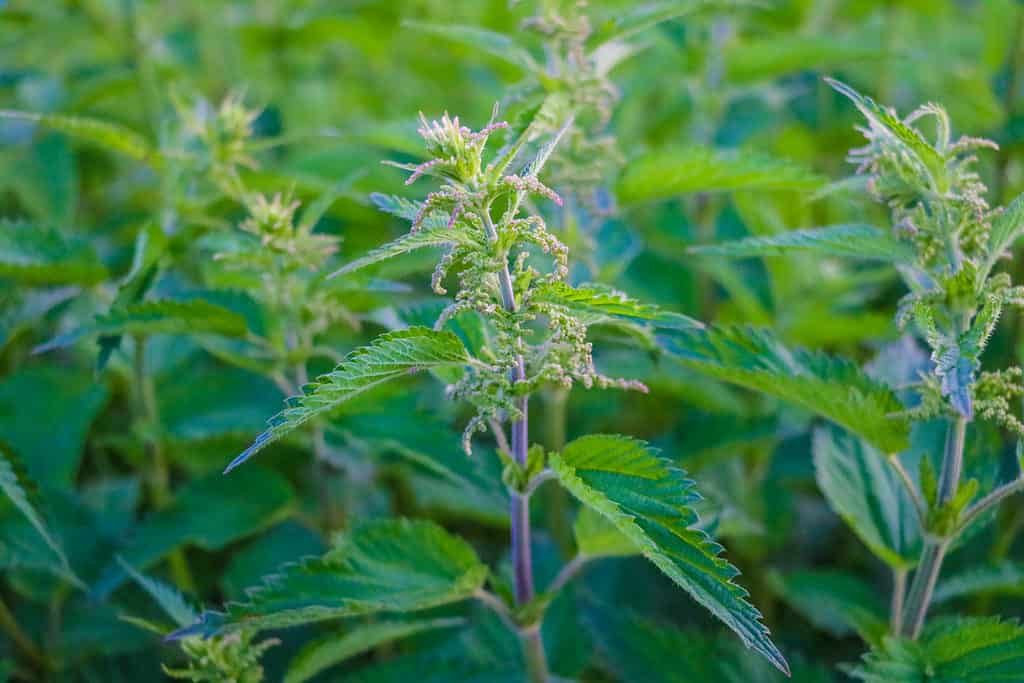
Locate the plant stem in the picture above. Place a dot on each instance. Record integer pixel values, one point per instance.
(899, 590)
(935, 548)
(148, 409)
(568, 573)
(533, 650)
(556, 502)
(22, 642)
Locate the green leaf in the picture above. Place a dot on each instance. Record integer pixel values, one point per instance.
(596, 536)
(210, 513)
(381, 566)
(388, 357)
(33, 255)
(333, 649)
(1006, 229)
(834, 601)
(102, 133)
(593, 304)
(863, 488)
(170, 600)
(22, 492)
(850, 241)
(651, 503)
(958, 650)
(666, 173)
(788, 52)
(831, 387)
(435, 232)
(1005, 578)
(480, 40)
(167, 316)
(643, 16)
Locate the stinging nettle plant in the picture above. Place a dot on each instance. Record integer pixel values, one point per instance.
(947, 243)
(529, 331)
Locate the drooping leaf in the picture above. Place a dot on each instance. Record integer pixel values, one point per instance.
(957, 650)
(1005, 578)
(834, 601)
(333, 649)
(479, 39)
(651, 503)
(863, 488)
(851, 241)
(381, 566)
(666, 173)
(167, 316)
(593, 304)
(210, 513)
(102, 133)
(170, 600)
(22, 492)
(388, 357)
(34, 255)
(831, 387)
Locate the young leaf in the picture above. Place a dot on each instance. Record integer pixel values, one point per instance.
(668, 173)
(168, 316)
(21, 491)
(651, 503)
(850, 241)
(867, 492)
(33, 255)
(834, 601)
(333, 649)
(388, 357)
(958, 650)
(381, 566)
(593, 304)
(1006, 229)
(170, 600)
(102, 133)
(831, 387)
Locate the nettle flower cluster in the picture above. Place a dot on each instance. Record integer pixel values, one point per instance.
(506, 258)
(218, 139)
(938, 206)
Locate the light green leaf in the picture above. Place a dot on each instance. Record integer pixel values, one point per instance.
(388, 357)
(381, 566)
(480, 40)
(33, 255)
(834, 601)
(596, 536)
(1006, 229)
(651, 503)
(863, 488)
(333, 649)
(1005, 578)
(593, 304)
(22, 492)
(958, 650)
(666, 173)
(851, 241)
(102, 133)
(831, 387)
(167, 316)
(170, 600)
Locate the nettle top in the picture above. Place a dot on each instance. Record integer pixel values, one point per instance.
(938, 208)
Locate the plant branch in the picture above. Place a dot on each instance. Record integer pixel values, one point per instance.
(989, 502)
(498, 607)
(908, 484)
(568, 572)
(899, 590)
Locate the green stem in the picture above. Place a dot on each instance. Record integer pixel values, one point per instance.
(899, 590)
(935, 549)
(533, 649)
(22, 642)
(556, 501)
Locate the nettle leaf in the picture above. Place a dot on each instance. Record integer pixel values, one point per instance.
(863, 488)
(380, 566)
(849, 241)
(958, 650)
(834, 601)
(651, 502)
(171, 601)
(1006, 229)
(102, 133)
(1005, 578)
(596, 536)
(831, 387)
(435, 232)
(334, 649)
(666, 173)
(593, 304)
(388, 357)
(34, 255)
(643, 16)
(168, 316)
(482, 40)
(24, 495)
